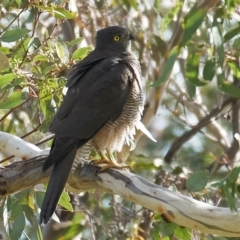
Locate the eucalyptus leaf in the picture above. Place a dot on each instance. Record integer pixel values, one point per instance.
(14, 100)
(81, 53)
(198, 181)
(6, 78)
(4, 63)
(14, 35)
(17, 227)
(65, 201)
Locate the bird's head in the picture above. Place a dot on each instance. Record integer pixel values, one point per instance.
(114, 38)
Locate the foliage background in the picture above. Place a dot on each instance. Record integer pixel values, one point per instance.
(190, 65)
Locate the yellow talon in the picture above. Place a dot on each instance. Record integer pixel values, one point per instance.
(109, 163)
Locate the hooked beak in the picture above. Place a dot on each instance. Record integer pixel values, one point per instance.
(131, 37)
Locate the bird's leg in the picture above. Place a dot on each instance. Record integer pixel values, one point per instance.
(112, 163)
(103, 159)
(109, 163)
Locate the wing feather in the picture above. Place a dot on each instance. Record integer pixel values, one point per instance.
(97, 97)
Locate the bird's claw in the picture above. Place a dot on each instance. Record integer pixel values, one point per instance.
(99, 161)
(109, 164)
(114, 165)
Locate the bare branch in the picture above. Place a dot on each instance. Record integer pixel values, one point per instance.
(175, 207)
(189, 134)
(216, 131)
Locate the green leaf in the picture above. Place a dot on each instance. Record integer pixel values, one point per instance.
(14, 35)
(157, 217)
(65, 201)
(62, 52)
(6, 78)
(229, 89)
(209, 70)
(15, 206)
(33, 44)
(28, 205)
(191, 23)
(233, 176)
(5, 50)
(166, 228)
(229, 191)
(30, 214)
(13, 101)
(191, 88)
(75, 41)
(63, 13)
(198, 181)
(182, 233)
(231, 33)
(218, 41)
(235, 69)
(39, 196)
(21, 48)
(27, 197)
(44, 126)
(225, 86)
(71, 232)
(38, 232)
(16, 81)
(170, 14)
(78, 217)
(47, 108)
(168, 68)
(17, 227)
(81, 53)
(236, 43)
(57, 12)
(192, 66)
(3, 62)
(40, 58)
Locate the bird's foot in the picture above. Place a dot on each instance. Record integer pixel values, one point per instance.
(108, 164)
(100, 161)
(111, 164)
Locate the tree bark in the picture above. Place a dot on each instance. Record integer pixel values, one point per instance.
(183, 210)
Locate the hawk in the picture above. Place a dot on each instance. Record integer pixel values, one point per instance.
(102, 107)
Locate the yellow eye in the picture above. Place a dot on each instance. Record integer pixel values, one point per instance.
(116, 38)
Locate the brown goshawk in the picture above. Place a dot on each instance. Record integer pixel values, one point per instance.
(103, 106)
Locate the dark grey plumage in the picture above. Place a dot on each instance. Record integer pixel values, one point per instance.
(103, 105)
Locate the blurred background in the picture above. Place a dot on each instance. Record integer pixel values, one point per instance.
(189, 54)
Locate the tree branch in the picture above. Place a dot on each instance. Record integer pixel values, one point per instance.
(175, 207)
(189, 134)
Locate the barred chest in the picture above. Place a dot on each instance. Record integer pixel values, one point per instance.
(114, 135)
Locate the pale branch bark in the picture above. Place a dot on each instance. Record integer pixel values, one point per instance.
(175, 207)
(13, 145)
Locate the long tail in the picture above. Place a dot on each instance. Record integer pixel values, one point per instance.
(56, 184)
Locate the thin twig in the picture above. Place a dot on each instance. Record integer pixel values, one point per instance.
(188, 135)
(5, 29)
(29, 133)
(11, 110)
(45, 139)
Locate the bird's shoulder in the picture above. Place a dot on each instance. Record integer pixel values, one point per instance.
(105, 85)
(101, 62)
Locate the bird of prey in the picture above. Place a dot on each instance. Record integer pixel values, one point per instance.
(103, 107)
